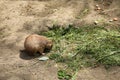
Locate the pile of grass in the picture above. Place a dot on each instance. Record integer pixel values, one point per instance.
(84, 46)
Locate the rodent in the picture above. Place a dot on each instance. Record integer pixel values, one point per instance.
(35, 43)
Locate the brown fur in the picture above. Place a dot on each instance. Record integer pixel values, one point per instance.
(35, 43)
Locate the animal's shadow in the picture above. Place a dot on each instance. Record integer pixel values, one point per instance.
(26, 56)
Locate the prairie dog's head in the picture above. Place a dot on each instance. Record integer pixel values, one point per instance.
(49, 44)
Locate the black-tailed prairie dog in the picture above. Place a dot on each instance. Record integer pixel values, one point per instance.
(36, 43)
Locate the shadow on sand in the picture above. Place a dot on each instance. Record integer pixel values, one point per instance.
(24, 54)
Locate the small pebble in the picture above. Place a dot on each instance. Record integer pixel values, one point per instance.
(98, 8)
(97, 5)
(115, 19)
(95, 22)
(110, 20)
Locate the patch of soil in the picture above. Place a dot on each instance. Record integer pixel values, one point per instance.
(99, 73)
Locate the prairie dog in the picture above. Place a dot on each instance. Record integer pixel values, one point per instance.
(35, 43)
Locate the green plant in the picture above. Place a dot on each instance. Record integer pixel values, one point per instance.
(56, 57)
(63, 75)
(84, 46)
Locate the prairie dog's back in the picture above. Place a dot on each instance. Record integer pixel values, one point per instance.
(34, 43)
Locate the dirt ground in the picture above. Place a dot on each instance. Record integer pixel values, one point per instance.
(20, 18)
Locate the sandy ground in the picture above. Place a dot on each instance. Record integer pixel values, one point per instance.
(20, 18)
